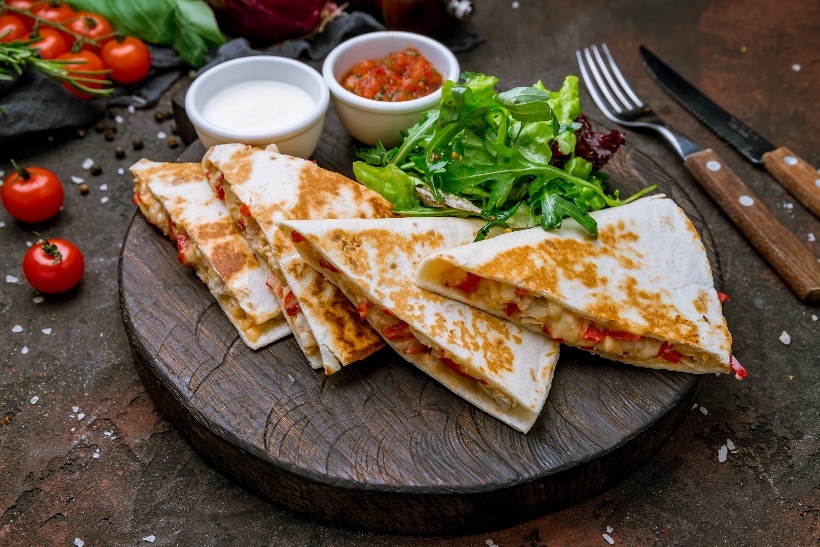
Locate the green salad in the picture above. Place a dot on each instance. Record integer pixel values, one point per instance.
(522, 158)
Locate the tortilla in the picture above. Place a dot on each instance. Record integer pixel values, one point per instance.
(178, 200)
(501, 368)
(261, 187)
(646, 276)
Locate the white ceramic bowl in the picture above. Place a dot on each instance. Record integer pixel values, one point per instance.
(368, 120)
(297, 139)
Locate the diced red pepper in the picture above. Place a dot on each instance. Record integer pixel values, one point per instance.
(364, 307)
(414, 347)
(594, 334)
(470, 283)
(520, 292)
(207, 175)
(182, 248)
(297, 237)
(327, 265)
(241, 224)
(512, 309)
(666, 352)
(272, 282)
(387, 312)
(172, 230)
(292, 305)
(622, 335)
(740, 372)
(546, 330)
(723, 297)
(244, 210)
(452, 365)
(220, 177)
(397, 332)
(135, 199)
(220, 192)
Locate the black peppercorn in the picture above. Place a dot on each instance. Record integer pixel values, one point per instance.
(83, 189)
(109, 135)
(136, 142)
(96, 170)
(159, 116)
(172, 142)
(80, 133)
(119, 152)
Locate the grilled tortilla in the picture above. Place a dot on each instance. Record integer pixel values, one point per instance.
(178, 200)
(260, 187)
(501, 368)
(641, 293)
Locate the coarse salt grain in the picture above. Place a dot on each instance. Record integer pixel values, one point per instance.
(118, 119)
(78, 542)
(814, 318)
(80, 416)
(796, 67)
(608, 539)
(72, 429)
(2, 172)
(38, 299)
(103, 187)
(107, 433)
(24, 350)
(161, 135)
(17, 328)
(77, 180)
(729, 444)
(609, 529)
(789, 206)
(47, 331)
(489, 542)
(75, 409)
(811, 237)
(694, 406)
(34, 399)
(723, 453)
(515, 5)
(2, 224)
(704, 411)
(149, 539)
(11, 279)
(29, 243)
(95, 455)
(87, 164)
(131, 109)
(785, 338)
(104, 199)
(120, 171)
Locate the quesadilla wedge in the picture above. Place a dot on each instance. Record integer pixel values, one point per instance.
(178, 200)
(641, 293)
(260, 187)
(501, 368)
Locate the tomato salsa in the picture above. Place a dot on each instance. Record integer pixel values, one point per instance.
(401, 76)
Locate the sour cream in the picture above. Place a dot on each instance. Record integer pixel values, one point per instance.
(257, 106)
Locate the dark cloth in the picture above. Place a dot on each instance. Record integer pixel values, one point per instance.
(34, 102)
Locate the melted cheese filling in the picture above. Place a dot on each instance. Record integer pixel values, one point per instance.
(566, 326)
(298, 322)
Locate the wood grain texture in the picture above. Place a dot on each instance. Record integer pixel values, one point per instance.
(381, 445)
(781, 249)
(796, 176)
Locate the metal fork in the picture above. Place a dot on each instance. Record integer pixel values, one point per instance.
(619, 102)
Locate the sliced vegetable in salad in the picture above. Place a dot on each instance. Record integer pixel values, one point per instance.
(522, 158)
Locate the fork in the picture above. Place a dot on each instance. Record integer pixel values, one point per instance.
(781, 249)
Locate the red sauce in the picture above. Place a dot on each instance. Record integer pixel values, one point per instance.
(402, 76)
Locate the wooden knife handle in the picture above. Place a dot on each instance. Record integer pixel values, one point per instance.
(781, 249)
(796, 176)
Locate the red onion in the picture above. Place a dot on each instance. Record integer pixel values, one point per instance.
(271, 20)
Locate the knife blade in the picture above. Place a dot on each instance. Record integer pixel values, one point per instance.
(795, 174)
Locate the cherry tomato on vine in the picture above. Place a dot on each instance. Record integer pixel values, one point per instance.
(32, 194)
(53, 11)
(51, 43)
(128, 58)
(13, 25)
(26, 5)
(92, 62)
(92, 26)
(53, 265)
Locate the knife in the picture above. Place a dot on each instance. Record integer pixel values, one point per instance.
(795, 174)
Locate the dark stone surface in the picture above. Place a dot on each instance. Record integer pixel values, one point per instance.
(148, 481)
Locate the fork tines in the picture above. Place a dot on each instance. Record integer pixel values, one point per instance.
(603, 79)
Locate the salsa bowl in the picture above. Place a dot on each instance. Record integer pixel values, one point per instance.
(368, 120)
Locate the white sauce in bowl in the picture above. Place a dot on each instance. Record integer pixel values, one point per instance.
(258, 106)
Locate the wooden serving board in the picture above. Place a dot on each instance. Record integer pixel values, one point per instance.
(381, 445)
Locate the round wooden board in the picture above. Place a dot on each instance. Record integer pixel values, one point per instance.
(380, 445)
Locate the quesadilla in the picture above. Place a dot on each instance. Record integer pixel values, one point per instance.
(641, 293)
(178, 200)
(501, 368)
(260, 187)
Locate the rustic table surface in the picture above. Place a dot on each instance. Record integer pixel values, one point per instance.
(85, 454)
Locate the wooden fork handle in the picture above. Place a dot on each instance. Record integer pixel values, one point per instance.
(796, 176)
(781, 249)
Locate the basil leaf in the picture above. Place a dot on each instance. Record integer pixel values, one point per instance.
(187, 25)
(528, 104)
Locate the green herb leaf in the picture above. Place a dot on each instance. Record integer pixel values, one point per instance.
(390, 182)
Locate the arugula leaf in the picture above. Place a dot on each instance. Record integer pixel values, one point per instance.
(187, 25)
(390, 182)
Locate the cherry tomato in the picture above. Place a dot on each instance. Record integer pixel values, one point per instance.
(92, 62)
(128, 58)
(53, 265)
(26, 5)
(51, 43)
(32, 194)
(13, 25)
(53, 11)
(92, 26)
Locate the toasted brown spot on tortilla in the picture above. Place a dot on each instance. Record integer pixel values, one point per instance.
(175, 173)
(702, 302)
(239, 167)
(215, 230)
(228, 259)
